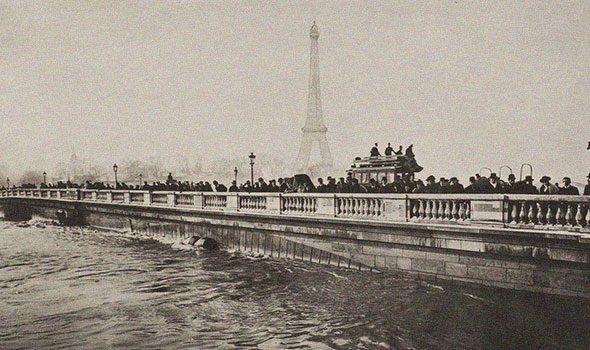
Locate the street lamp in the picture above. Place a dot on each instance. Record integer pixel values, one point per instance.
(115, 168)
(8, 182)
(252, 157)
(236, 174)
(45, 178)
(140, 179)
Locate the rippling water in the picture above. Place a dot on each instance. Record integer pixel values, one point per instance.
(81, 288)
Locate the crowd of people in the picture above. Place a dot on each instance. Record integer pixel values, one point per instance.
(401, 184)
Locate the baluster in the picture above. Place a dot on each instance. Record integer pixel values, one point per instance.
(549, 215)
(560, 217)
(441, 210)
(467, 210)
(454, 211)
(370, 206)
(421, 210)
(540, 216)
(579, 215)
(415, 209)
(363, 206)
(448, 210)
(587, 215)
(531, 214)
(514, 213)
(428, 211)
(461, 211)
(569, 216)
(523, 214)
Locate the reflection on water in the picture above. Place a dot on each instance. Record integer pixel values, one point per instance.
(80, 288)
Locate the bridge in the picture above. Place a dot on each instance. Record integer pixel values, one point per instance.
(524, 242)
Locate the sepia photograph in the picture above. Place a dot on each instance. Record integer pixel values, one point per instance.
(256, 174)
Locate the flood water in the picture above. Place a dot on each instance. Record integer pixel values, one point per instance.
(85, 289)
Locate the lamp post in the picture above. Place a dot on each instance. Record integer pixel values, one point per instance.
(45, 178)
(252, 157)
(115, 168)
(8, 182)
(140, 179)
(236, 174)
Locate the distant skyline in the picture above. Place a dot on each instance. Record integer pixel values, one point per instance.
(470, 84)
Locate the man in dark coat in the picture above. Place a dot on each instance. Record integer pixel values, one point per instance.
(389, 150)
(496, 185)
(431, 185)
(528, 187)
(234, 187)
(375, 151)
(568, 189)
(509, 186)
(471, 187)
(219, 187)
(456, 187)
(587, 187)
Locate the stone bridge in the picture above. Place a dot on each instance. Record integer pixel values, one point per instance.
(526, 242)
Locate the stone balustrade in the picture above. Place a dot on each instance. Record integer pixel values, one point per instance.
(214, 201)
(439, 208)
(548, 211)
(247, 202)
(569, 213)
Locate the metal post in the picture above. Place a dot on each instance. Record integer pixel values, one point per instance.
(115, 168)
(252, 157)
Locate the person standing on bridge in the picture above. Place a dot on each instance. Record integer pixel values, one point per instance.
(587, 187)
(547, 187)
(389, 150)
(375, 151)
(568, 189)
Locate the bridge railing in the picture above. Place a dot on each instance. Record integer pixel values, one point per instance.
(520, 211)
(548, 211)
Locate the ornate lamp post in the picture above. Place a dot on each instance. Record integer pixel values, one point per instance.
(236, 174)
(115, 168)
(8, 182)
(140, 179)
(252, 157)
(45, 178)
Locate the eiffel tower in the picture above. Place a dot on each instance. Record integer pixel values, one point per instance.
(314, 130)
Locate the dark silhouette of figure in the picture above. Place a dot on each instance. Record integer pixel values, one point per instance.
(410, 151)
(399, 151)
(375, 151)
(389, 150)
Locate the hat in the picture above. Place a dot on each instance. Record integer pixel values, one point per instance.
(431, 177)
(545, 179)
(588, 175)
(528, 178)
(453, 179)
(511, 176)
(493, 176)
(472, 178)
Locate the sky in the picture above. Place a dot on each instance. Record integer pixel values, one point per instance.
(470, 84)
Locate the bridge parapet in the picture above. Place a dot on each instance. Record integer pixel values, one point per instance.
(566, 213)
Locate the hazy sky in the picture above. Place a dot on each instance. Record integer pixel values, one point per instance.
(469, 83)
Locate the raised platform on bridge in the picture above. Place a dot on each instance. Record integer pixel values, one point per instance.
(528, 242)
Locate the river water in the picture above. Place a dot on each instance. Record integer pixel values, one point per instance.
(86, 289)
